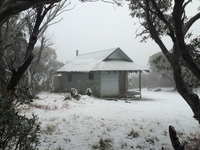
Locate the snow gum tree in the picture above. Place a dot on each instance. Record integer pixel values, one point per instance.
(160, 65)
(9, 8)
(26, 21)
(41, 77)
(168, 18)
(16, 55)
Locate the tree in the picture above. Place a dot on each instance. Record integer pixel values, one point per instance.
(160, 65)
(17, 72)
(9, 8)
(34, 23)
(19, 27)
(40, 72)
(168, 18)
(17, 131)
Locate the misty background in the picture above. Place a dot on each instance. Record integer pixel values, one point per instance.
(93, 26)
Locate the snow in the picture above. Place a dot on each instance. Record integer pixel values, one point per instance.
(86, 62)
(96, 62)
(79, 125)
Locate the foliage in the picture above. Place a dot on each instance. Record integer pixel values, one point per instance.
(19, 34)
(137, 10)
(74, 93)
(49, 129)
(133, 134)
(161, 18)
(194, 49)
(24, 95)
(16, 131)
(149, 80)
(103, 144)
(159, 64)
(40, 73)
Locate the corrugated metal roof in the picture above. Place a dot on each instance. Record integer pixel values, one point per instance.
(97, 61)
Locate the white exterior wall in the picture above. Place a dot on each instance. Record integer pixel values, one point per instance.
(109, 84)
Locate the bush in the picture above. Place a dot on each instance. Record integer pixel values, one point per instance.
(103, 144)
(74, 93)
(16, 131)
(24, 95)
(133, 134)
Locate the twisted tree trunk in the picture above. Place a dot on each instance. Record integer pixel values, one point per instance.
(175, 140)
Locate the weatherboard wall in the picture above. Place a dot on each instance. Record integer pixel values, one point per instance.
(104, 84)
(80, 81)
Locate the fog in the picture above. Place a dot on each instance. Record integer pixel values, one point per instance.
(94, 26)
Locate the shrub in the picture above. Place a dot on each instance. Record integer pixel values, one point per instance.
(103, 144)
(50, 129)
(16, 131)
(24, 95)
(133, 134)
(74, 94)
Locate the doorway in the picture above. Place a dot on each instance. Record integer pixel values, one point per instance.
(122, 83)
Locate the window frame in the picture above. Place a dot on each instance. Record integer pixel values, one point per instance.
(91, 76)
(69, 77)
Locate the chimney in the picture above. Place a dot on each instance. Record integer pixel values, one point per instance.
(76, 52)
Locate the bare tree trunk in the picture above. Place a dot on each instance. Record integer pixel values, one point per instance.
(174, 59)
(2, 65)
(16, 76)
(186, 92)
(180, 38)
(29, 76)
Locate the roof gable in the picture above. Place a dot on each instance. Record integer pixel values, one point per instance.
(118, 54)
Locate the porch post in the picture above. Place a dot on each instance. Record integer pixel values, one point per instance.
(140, 83)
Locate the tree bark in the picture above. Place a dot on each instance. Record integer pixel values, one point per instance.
(190, 97)
(17, 73)
(2, 65)
(16, 76)
(178, 13)
(175, 140)
(174, 57)
(18, 6)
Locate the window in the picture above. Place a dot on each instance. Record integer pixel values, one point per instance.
(91, 76)
(69, 77)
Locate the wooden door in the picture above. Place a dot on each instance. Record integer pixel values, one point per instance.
(122, 83)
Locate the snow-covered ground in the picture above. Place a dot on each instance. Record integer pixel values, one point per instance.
(88, 123)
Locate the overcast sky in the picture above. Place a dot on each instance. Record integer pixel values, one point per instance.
(90, 27)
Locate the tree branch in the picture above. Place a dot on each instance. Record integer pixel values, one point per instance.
(18, 6)
(117, 2)
(182, 49)
(160, 15)
(153, 32)
(191, 22)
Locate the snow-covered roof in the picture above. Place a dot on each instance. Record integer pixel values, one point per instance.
(107, 60)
